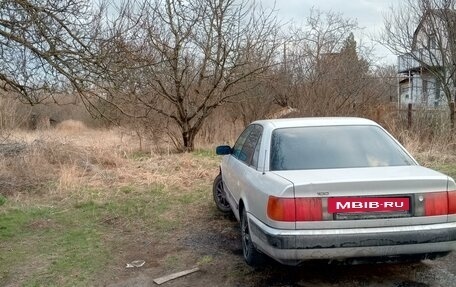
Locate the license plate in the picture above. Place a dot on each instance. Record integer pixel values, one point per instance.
(367, 204)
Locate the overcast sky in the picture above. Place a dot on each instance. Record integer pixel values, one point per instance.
(368, 13)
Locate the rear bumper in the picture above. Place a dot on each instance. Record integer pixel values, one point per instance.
(286, 245)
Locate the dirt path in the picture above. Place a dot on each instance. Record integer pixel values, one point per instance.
(219, 243)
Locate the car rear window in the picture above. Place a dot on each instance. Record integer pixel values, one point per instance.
(334, 147)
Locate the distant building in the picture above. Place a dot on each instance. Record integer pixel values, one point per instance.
(417, 83)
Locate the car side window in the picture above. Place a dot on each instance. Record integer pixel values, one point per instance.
(250, 144)
(256, 155)
(240, 142)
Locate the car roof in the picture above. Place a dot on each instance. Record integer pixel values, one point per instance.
(310, 122)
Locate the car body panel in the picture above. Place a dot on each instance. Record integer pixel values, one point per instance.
(254, 187)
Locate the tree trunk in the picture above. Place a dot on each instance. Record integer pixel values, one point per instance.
(188, 139)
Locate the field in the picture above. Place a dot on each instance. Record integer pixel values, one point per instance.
(78, 204)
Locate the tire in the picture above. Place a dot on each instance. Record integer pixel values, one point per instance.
(220, 196)
(251, 255)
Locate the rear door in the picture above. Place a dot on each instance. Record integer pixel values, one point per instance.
(241, 167)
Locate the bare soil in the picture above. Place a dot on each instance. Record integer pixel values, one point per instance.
(217, 237)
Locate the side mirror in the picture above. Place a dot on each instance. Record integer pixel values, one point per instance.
(223, 150)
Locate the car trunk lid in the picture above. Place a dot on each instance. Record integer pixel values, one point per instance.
(361, 193)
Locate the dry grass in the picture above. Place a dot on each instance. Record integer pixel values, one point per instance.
(429, 149)
(429, 139)
(71, 126)
(67, 161)
(72, 158)
(63, 156)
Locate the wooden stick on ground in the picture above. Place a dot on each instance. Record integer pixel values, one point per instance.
(173, 276)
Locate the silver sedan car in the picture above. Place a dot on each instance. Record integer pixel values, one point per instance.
(333, 188)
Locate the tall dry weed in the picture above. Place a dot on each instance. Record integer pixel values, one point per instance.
(70, 178)
(430, 137)
(71, 126)
(59, 159)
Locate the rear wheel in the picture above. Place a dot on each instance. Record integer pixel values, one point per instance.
(251, 255)
(220, 195)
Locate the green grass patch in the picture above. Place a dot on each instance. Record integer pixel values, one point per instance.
(51, 247)
(205, 260)
(2, 200)
(188, 198)
(13, 222)
(127, 189)
(157, 189)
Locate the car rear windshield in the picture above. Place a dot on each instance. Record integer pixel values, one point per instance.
(334, 147)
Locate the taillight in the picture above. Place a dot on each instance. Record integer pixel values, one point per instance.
(452, 202)
(291, 209)
(436, 203)
(309, 209)
(282, 209)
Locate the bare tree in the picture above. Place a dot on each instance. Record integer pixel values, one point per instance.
(322, 72)
(182, 59)
(255, 104)
(324, 33)
(46, 47)
(424, 33)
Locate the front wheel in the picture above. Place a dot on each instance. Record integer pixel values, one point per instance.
(220, 195)
(251, 255)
